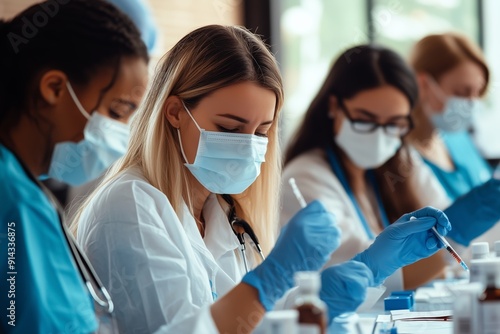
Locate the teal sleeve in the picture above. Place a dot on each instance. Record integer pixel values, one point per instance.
(41, 290)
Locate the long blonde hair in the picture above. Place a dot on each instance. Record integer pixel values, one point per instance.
(207, 59)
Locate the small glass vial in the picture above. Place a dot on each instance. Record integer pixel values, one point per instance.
(480, 250)
(312, 310)
(489, 301)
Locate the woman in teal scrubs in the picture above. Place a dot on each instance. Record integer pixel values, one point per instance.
(453, 76)
(57, 60)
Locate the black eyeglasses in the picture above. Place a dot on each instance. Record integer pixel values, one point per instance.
(397, 129)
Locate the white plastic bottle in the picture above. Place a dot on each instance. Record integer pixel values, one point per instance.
(480, 250)
(476, 269)
(496, 246)
(312, 310)
(489, 300)
(480, 253)
(465, 307)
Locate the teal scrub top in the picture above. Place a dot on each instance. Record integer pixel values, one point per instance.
(471, 169)
(41, 290)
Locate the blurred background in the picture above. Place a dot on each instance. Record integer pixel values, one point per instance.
(307, 35)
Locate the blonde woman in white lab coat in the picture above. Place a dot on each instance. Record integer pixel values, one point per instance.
(163, 229)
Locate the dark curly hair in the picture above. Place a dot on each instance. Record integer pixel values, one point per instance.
(78, 37)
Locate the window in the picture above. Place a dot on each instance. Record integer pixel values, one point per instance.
(312, 34)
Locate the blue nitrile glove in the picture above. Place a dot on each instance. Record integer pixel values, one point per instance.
(475, 212)
(404, 242)
(343, 287)
(304, 244)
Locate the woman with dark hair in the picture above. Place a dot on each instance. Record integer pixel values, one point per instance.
(350, 152)
(68, 72)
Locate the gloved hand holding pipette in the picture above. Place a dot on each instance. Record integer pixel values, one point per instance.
(405, 242)
(409, 239)
(343, 286)
(304, 244)
(475, 212)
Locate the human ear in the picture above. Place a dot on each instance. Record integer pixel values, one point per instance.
(423, 84)
(333, 106)
(52, 85)
(172, 110)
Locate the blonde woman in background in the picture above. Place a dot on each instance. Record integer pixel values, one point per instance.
(453, 77)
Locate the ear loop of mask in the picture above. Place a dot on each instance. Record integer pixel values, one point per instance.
(437, 89)
(77, 102)
(179, 132)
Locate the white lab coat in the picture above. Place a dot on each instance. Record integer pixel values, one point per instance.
(316, 180)
(160, 272)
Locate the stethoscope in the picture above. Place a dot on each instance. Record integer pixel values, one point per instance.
(85, 268)
(240, 227)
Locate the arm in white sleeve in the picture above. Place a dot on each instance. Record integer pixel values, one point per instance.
(147, 278)
(145, 270)
(316, 180)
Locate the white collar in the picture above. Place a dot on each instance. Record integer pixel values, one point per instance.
(219, 236)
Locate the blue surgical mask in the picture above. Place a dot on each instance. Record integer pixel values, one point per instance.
(457, 114)
(105, 141)
(226, 163)
(458, 111)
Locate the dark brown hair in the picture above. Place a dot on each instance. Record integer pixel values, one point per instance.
(78, 37)
(357, 69)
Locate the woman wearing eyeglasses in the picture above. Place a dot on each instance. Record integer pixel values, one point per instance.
(350, 152)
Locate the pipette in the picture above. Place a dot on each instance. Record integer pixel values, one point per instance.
(297, 192)
(448, 247)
